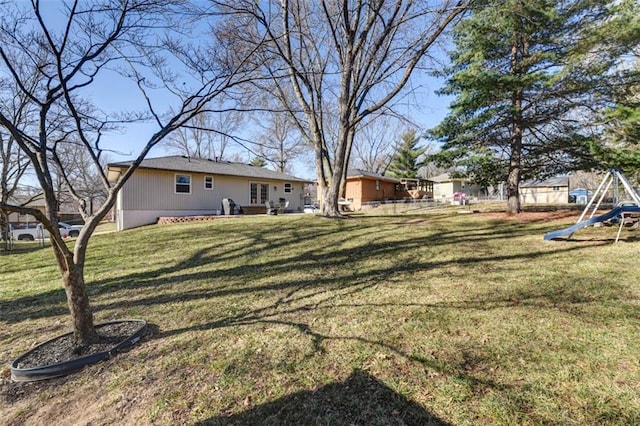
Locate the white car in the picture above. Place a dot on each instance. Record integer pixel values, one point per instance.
(32, 232)
(68, 230)
(311, 208)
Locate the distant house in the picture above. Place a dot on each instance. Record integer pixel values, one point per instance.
(31, 202)
(183, 186)
(367, 187)
(67, 211)
(445, 186)
(554, 190)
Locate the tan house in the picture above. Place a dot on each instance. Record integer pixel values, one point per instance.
(445, 186)
(183, 186)
(67, 211)
(32, 202)
(549, 191)
(366, 188)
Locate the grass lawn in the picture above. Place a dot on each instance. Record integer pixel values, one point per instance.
(406, 319)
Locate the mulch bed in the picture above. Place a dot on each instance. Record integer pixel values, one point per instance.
(63, 349)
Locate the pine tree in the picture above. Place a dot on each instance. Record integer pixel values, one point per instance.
(405, 162)
(258, 162)
(525, 74)
(620, 136)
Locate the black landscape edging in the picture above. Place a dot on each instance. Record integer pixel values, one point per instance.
(67, 367)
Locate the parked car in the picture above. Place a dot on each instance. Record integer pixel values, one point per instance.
(35, 231)
(71, 230)
(28, 232)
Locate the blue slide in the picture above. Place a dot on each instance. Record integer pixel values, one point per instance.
(554, 235)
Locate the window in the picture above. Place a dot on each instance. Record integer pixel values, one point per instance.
(288, 187)
(556, 188)
(259, 193)
(377, 185)
(208, 182)
(183, 184)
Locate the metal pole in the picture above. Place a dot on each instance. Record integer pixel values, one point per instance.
(601, 197)
(588, 206)
(628, 187)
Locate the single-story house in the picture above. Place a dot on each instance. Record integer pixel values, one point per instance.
(445, 186)
(31, 202)
(364, 188)
(554, 190)
(184, 186)
(368, 188)
(67, 211)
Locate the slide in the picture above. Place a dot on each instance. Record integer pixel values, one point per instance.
(609, 215)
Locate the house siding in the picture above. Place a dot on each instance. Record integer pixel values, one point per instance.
(443, 191)
(353, 192)
(150, 194)
(544, 195)
(364, 190)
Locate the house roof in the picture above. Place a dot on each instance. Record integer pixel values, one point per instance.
(178, 163)
(580, 191)
(66, 204)
(358, 173)
(445, 177)
(27, 200)
(554, 181)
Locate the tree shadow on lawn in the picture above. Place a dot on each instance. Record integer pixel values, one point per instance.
(314, 293)
(238, 279)
(361, 399)
(230, 282)
(303, 257)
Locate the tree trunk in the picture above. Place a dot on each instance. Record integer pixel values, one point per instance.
(72, 270)
(333, 193)
(4, 228)
(513, 192)
(518, 51)
(83, 329)
(331, 197)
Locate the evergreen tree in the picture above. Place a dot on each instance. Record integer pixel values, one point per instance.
(405, 162)
(526, 76)
(620, 136)
(258, 162)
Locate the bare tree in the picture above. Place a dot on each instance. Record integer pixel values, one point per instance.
(76, 170)
(13, 162)
(351, 58)
(206, 135)
(71, 50)
(279, 143)
(373, 146)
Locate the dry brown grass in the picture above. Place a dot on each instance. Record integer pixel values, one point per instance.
(406, 319)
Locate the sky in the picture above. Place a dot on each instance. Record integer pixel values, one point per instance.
(111, 92)
(128, 143)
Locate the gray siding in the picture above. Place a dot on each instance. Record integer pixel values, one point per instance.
(150, 194)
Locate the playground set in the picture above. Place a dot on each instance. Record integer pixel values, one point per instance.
(622, 211)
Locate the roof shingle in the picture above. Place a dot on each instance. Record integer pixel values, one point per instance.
(180, 163)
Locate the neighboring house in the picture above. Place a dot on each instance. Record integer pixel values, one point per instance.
(31, 202)
(554, 190)
(445, 186)
(183, 186)
(367, 187)
(65, 213)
